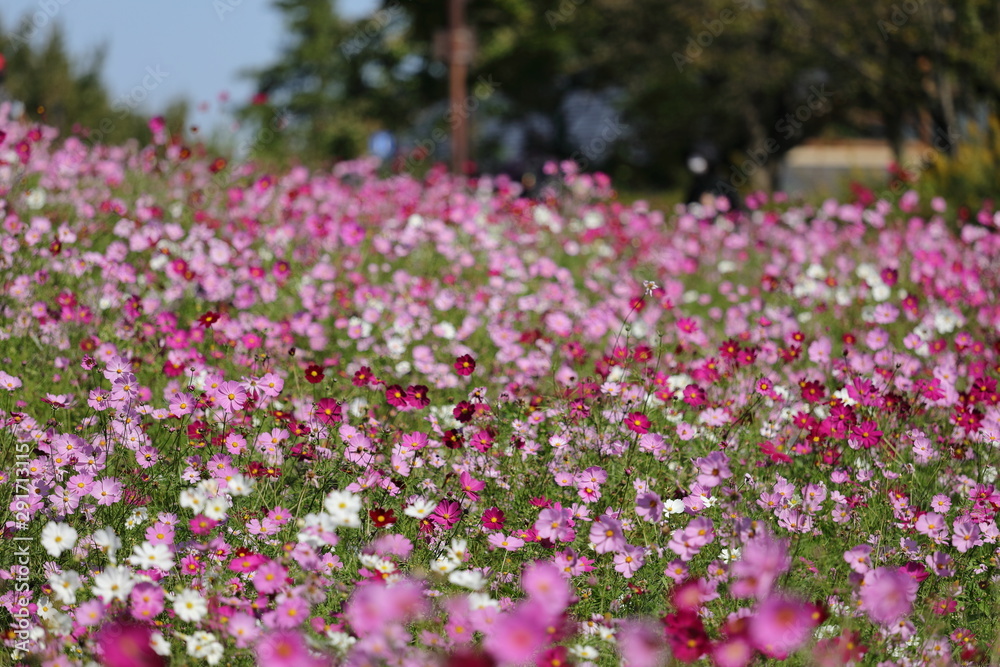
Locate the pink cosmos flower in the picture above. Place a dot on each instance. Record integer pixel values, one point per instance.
(713, 469)
(414, 441)
(859, 558)
(606, 535)
(546, 586)
(447, 513)
(231, 396)
(470, 485)
(933, 525)
(160, 533)
(247, 563)
(517, 636)
(289, 613)
(966, 536)
(555, 523)
(733, 652)
(107, 491)
(181, 404)
(287, 648)
(781, 626)
(202, 525)
(147, 456)
(629, 559)
(649, 506)
(146, 600)
(508, 542)
(270, 577)
(887, 595)
(589, 493)
(393, 544)
(375, 606)
(89, 613)
(642, 644)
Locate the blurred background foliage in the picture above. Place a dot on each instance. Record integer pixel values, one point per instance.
(67, 92)
(630, 87)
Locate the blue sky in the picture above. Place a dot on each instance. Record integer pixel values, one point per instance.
(196, 49)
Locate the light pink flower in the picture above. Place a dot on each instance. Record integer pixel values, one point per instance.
(887, 595)
(606, 535)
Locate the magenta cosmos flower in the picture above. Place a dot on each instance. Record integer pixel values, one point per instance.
(637, 423)
(493, 519)
(125, 644)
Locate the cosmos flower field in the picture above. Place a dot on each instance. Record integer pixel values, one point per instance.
(328, 418)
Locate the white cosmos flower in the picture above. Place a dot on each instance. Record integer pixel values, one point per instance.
(458, 550)
(467, 579)
(482, 601)
(114, 583)
(342, 501)
(344, 519)
(444, 565)
(147, 555)
(420, 508)
(190, 606)
(373, 562)
(108, 542)
(584, 652)
(341, 641)
(64, 586)
(160, 645)
(137, 517)
(239, 485)
(58, 537)
(673, 506)
(45, 608)
(193, 500)
(203, 644)
(217, 508)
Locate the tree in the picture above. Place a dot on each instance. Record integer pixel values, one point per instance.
(334, 84)
(68, 93)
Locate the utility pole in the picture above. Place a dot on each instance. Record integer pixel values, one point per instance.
(459, 58)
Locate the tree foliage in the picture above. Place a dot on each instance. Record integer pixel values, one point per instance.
(67, 92)
(752, 77)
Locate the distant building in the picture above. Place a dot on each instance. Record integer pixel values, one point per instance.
(827, 166)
